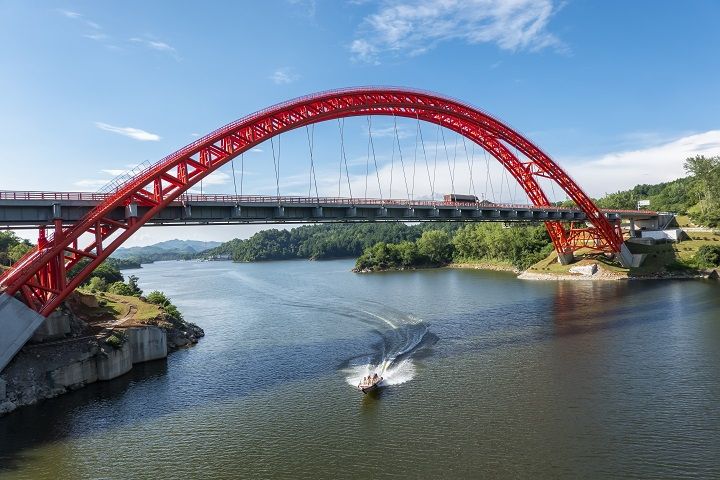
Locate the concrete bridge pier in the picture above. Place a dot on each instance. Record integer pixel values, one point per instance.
(566, 258)
(18, 322)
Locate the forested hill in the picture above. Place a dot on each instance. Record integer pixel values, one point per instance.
(168, 250)
(318, 241)
(697, 195)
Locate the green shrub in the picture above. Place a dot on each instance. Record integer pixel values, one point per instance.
(97, 284)
(116, 340)
(708, 256)
(120, 288)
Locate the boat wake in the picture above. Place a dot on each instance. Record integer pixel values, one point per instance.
(401, 337)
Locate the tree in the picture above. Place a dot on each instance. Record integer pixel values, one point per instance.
(108, 273)
(435, 246)
(133, 285)
(18, 251)
(706, 172)
(158, 298)
(119, 288)
(97, 284)
(708, 256)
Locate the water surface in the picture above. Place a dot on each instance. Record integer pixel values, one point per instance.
(489, 376)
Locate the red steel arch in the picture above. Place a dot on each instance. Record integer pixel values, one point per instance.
(41, 276)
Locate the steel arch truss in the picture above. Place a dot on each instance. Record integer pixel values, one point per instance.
(42, 276)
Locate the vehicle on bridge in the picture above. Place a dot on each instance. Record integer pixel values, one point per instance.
(457, 197)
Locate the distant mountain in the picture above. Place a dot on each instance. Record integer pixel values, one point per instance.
(168, 250)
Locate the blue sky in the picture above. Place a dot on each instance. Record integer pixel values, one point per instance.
(617, 92)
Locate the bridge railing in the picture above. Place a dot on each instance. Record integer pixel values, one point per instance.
(290, 200)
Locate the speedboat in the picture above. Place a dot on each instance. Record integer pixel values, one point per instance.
(369, 387)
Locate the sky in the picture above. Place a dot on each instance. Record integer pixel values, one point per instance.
(618, 93)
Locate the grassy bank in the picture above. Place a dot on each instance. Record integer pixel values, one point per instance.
(666, 259)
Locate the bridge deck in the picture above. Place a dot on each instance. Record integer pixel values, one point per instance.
(33, 209)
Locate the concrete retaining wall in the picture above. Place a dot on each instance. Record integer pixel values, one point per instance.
(75, 375)
(114, 362)
(55, 326)
(147, 343)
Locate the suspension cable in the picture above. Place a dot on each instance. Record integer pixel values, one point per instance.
(341, 126)
(372, 146)
(437, 146)
(447, 158)
(392, 165)
(311, 145)
(417, 134)
(470, 163)
(232, 165)
(427, 165)
(454, 167)
(276, 164)
(242, 172)
(402, 162)
(367, 160)
(487, 175)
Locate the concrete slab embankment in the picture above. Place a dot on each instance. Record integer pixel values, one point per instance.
(147, 343)
(17, 325)
(114, 362)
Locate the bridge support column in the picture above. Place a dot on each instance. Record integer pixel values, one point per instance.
(131, 211)
(18, 322)
(566, 258)
(626, 258)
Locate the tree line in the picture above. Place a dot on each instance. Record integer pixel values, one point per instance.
(697, 195)
(520, 246)
(317, 242)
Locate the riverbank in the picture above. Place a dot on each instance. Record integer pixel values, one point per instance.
(90, 338)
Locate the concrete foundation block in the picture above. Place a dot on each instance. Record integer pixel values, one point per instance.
(566, 258)
(115, 362)
(18, 322)
(147, 343)
(76, 374)
(55, 326)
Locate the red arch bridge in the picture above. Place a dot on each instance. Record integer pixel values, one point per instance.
(92, 226)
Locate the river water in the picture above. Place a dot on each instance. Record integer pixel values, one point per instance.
(488, 376)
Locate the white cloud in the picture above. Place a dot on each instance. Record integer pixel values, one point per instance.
(283, 76)
(217, 178)
(78, 16)
(70, 14)
(157, 45)
(412, 27)
(256, 150)
(131, 132)
(96, 36)
(91, 183)
(624, 169)
(114, 172)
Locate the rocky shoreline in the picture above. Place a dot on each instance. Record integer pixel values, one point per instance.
(599, 275)
(67, 353)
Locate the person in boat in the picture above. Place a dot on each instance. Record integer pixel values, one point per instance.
(375, 378)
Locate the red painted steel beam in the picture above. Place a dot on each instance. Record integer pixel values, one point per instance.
(47, 265)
